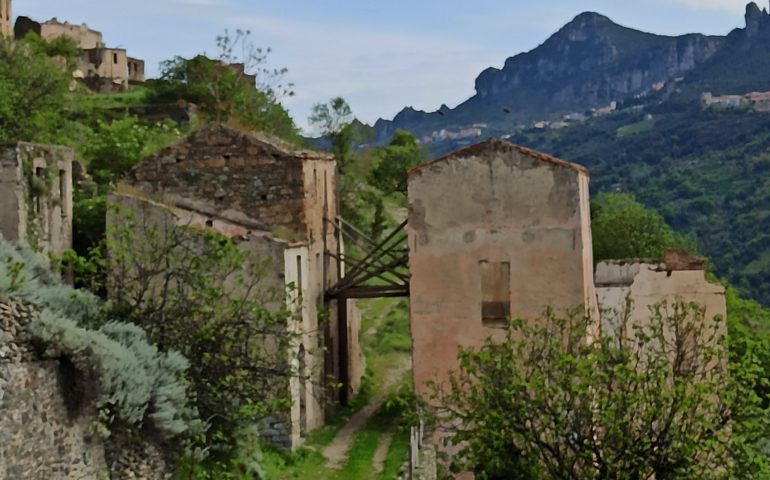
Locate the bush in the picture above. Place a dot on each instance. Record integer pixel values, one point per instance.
(129, 380)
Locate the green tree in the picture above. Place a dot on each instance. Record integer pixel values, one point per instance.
(232, 88)
(335, 121)
(114, 147)
(393, 161)
(661, 402)
(621, 228)
(199, 294)
(34, 91)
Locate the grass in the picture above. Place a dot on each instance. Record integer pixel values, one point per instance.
(359, 464)
(634, 129)
(102, 101)
(386, 343)
(396, 455)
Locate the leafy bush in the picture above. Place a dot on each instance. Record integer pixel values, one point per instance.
(116, 146)
(132, 382)
(624, 228)
(34, 89)
(542, 402)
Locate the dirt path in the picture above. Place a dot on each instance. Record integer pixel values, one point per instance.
(378, 460)
(337, 452)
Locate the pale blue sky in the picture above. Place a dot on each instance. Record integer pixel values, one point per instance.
(380, 56)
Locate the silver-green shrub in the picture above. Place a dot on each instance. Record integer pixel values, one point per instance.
(133, 381)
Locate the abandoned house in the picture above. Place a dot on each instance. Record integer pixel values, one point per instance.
(36, 196)
(100, 68)
(273, 200)
(646, 283)
(5, 18)
(495, 231)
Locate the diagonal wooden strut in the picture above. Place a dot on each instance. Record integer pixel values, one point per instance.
(379, 269)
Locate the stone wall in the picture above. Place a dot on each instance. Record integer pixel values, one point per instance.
(47, 431)
(44, 434)
(36, 195)
(239, 176)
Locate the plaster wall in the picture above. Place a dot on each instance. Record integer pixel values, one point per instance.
(135, 70)
(493, 203)
(647, 284)
(6, 29)
(111, 63)
(83, 36)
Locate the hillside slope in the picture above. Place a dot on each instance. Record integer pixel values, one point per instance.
(588, 63)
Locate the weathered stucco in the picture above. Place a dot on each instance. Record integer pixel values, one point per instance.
(5, 18)
(36, 196)
(647, 283)
(478, 217)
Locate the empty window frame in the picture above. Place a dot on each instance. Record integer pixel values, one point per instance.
(495, 292)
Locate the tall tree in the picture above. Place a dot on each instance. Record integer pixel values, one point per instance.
(335, 119)
(623, 228)
(393, 161)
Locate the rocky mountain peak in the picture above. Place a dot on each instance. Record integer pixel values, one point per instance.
(584, 26)
(755, 18)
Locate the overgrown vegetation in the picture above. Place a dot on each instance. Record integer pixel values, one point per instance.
(202, 295)
(653, 399)
(128, 379)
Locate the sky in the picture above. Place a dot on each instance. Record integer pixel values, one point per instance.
(379, 55)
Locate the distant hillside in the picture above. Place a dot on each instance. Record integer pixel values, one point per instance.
(742, 64)
(706, 170)
(589, 63)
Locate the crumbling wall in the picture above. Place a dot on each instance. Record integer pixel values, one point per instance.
(232, 175)
(152, 220)
(36, 195)
(41, 435)
(495, 231)
(646, 283)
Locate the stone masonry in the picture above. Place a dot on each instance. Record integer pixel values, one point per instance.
(5, 18)
(36, 196)
(41, 436)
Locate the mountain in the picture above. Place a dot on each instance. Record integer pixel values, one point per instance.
(706, 170)
(589, 63)
(742, 64)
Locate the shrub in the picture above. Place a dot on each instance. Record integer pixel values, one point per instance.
(129, 380)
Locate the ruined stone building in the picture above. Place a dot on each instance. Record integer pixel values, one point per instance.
(101, 68)
(646, 283)
(495, 231)
(5, 18)
(271, 199)
(36, 196)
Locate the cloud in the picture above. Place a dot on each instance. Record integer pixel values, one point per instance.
(377, 71)
(735, 7)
